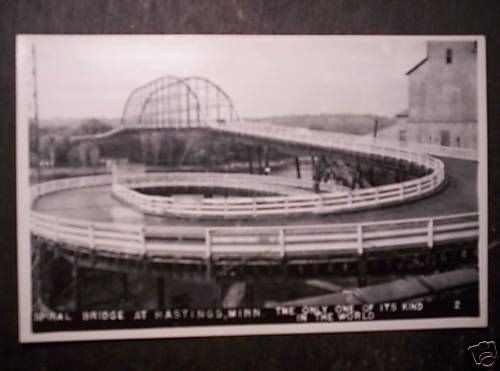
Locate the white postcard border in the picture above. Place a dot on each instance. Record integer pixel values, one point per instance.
(26, 335)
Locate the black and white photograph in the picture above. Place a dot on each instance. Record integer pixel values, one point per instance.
(216, 185)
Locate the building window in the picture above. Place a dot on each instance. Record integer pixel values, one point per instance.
(445, 138)
(402, 135)
(449, 56)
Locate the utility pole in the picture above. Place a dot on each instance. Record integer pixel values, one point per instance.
(36, 150)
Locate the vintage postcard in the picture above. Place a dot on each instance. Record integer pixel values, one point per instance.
(196, 185)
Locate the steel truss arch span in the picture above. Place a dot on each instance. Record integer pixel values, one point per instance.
(178, 102)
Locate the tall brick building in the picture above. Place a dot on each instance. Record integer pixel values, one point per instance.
(442, 107)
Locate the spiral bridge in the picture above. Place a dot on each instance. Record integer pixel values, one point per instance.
(306, 246)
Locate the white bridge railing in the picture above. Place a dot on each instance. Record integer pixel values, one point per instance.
(316, 139)
(239, 181)
(294, 203)
(431, 149)
(274, 242)
(52, 186)
(297, 196)
(253, 129)
(299, 204)
(246, 207)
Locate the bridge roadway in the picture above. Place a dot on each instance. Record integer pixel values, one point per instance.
(315, 142)
(417, 221)
(96, 204)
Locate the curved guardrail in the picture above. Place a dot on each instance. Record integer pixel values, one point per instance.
(436, 150)
(431, 149)
(273, 242)
(296, 205)
(239, 181)
(296, 202)
(295, 195)
(357, 199)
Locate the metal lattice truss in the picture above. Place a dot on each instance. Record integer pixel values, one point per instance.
(178, 102)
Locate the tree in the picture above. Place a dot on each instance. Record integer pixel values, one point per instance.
(89, 153)
(92, 126)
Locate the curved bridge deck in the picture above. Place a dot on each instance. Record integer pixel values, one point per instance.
(96, 204)
(316, 241)
(449, 216)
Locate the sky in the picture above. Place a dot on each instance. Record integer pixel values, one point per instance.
(92, 76)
